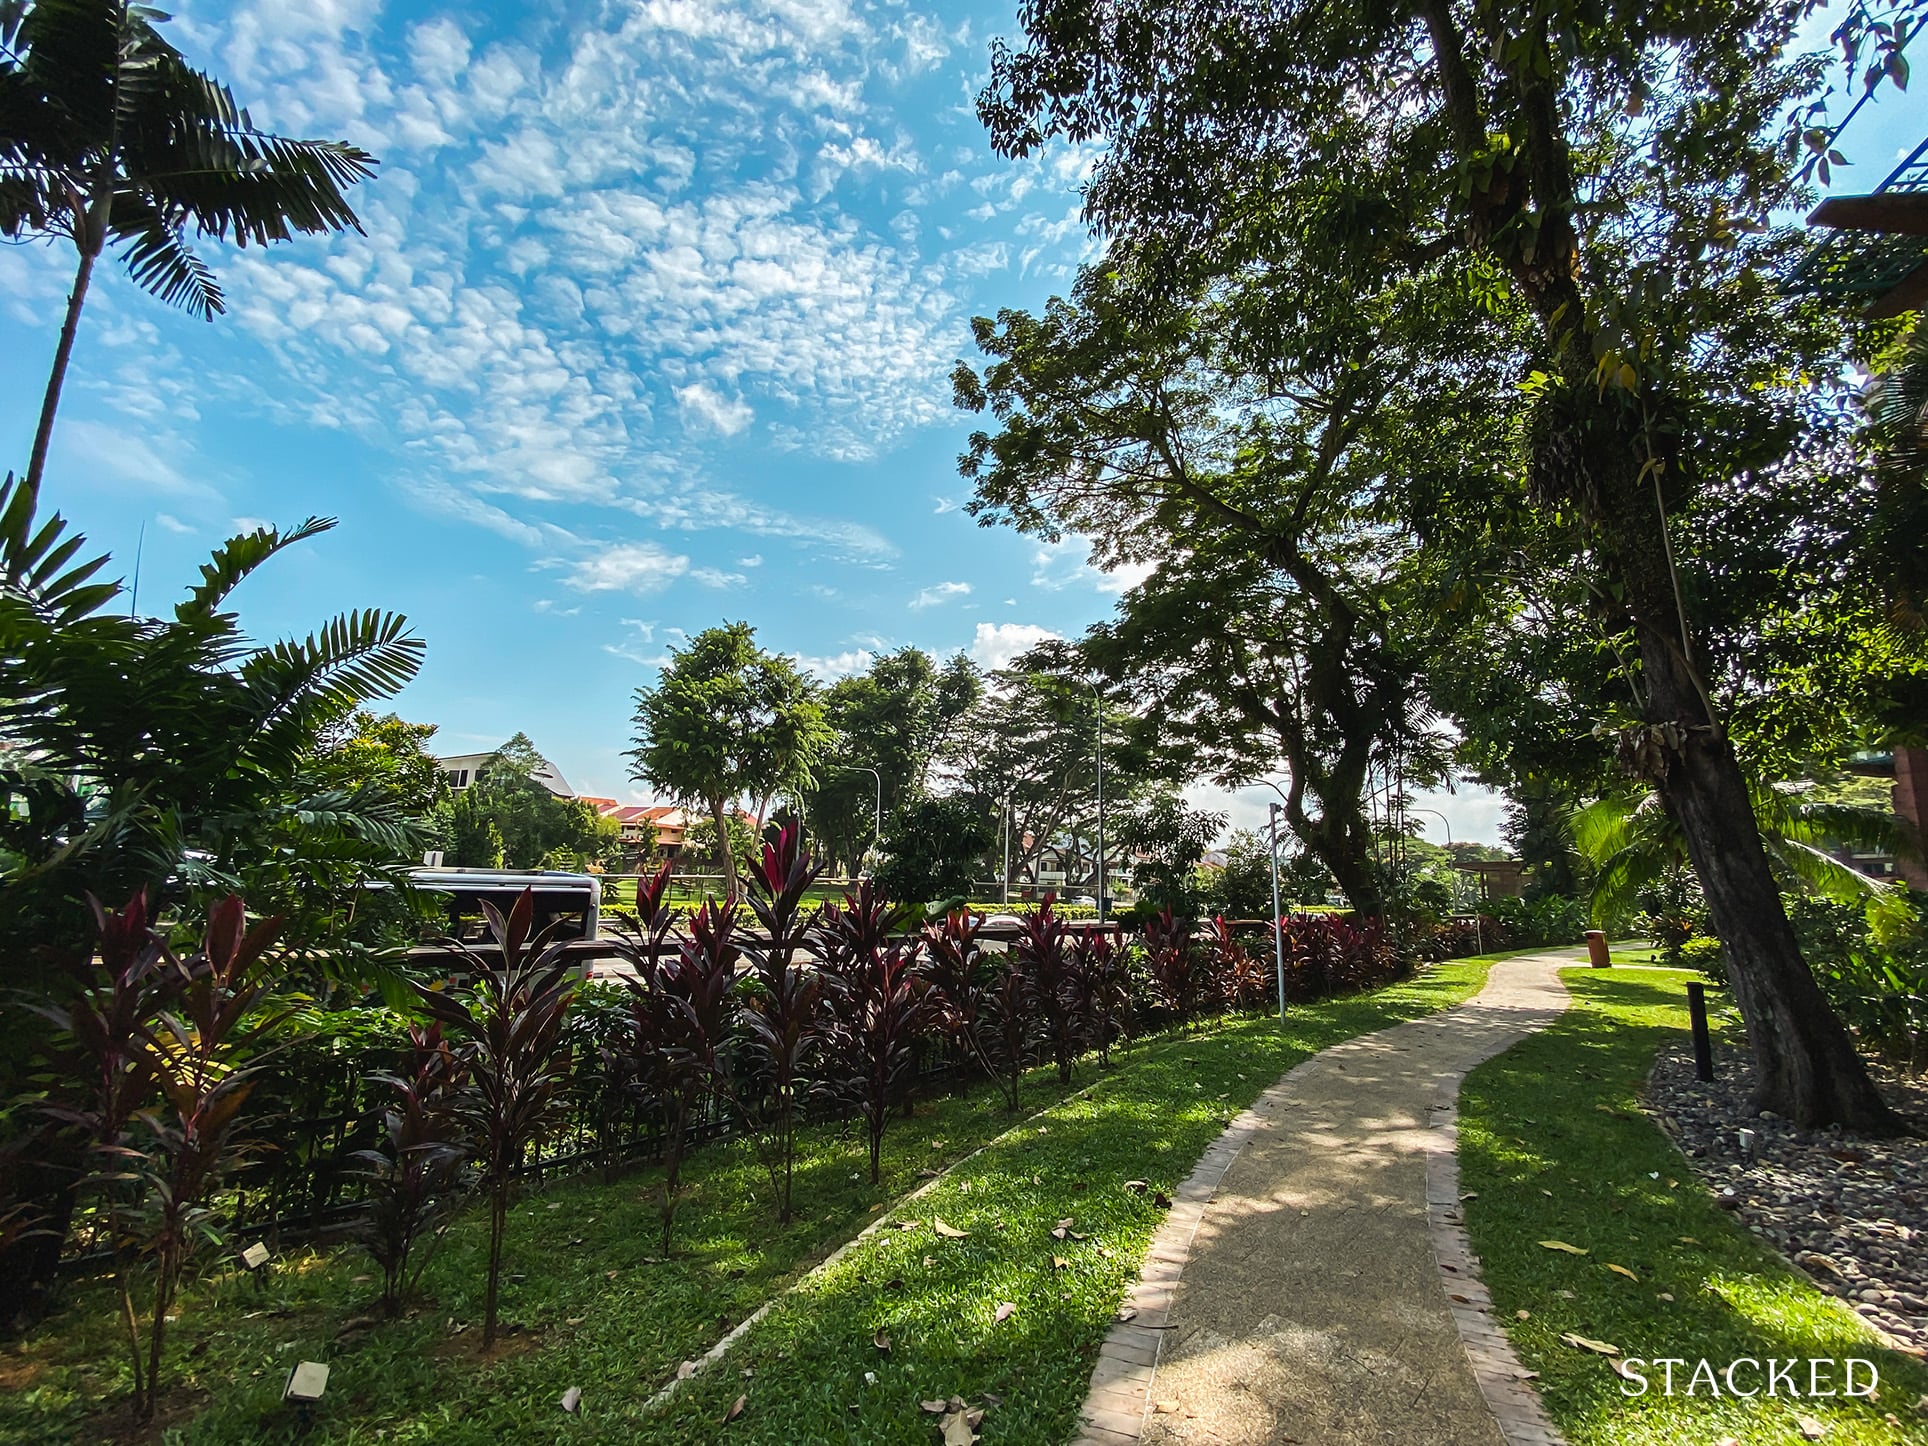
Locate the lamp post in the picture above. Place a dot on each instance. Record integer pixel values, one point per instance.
(1006, 897)
(877, 828)
(1278, 924)
(1479, 933)
(1098, 708)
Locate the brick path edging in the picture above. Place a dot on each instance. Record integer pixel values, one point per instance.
(1120, 1395)
(1503, 1380)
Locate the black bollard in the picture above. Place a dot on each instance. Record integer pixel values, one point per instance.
(1703, 1044)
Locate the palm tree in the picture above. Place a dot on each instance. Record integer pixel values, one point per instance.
(138, 750)
(1634, 843)
(108, 135)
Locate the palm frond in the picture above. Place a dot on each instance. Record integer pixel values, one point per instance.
(234, 559)
(161, 263)
(354, 658)
(35, 562)
(1821, 871)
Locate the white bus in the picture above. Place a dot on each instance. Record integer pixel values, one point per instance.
(576, 899)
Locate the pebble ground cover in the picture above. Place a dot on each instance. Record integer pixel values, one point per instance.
(1554, 1146)
(595, 1308)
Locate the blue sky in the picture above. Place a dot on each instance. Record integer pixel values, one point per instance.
(652, 328)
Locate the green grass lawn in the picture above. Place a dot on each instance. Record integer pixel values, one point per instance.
(599, 1312)
(1553, 1146)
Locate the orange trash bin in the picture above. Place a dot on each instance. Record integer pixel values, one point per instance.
(1597, 950)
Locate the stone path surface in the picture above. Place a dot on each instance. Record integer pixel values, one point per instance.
(1300, 1291)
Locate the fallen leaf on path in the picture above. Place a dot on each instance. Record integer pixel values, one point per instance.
(949, 1232)
(736, 1409)
(1622, 1270)
(1005, 1310)
(1167, 1408)
(1561, 1245)
(1586, 1343)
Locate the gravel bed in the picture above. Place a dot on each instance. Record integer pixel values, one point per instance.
(1850, 1211)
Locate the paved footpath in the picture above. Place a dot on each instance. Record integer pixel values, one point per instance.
(1300, 1290)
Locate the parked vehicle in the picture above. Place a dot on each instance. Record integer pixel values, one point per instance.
(576, 899)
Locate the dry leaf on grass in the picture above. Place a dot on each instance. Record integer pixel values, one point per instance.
(1622, 1270)
(1522, 1315)
(1561, 1245)
(571, 1399)
(1138, 1187)
(936, 1408)
(1811, 1429)
(881, 1341)
(1005, 1310)
(1587, 1343)
(957, 1430)
(949, 1232)
(736, 1409)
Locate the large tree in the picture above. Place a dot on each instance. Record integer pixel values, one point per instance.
(1615, 168)
(1292, 509)
(109, 137)
(899, 716)
(728, 722)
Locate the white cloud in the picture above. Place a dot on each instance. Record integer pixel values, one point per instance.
(636, 567)
(996, 644)
(173, 524)
(839, 665)
(703, 404)
(755, 559)
(938, 593)
(944, 504)
(716, 577)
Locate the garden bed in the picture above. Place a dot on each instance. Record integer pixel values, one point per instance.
(597, 1309)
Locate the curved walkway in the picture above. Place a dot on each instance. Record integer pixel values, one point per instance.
(1301, 1291)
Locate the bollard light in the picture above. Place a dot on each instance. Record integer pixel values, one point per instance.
(306, 1383)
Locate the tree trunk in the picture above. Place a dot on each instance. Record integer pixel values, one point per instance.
(498, 1212)
(43, 434)
(1805, 1064)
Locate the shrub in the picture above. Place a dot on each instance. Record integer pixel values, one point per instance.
(511, 1028)
(414, 1178)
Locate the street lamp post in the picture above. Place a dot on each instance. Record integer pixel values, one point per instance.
(1006, 898)
(1479, 932)
(1098, 708)
(877, 827)
(1278, 924)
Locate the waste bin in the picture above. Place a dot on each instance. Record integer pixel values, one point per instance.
(1597, 950)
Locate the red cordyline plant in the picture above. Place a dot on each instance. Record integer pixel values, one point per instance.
(511, 1033)
(787, 1016)
(964, 984)
(1176, 979)
(1243, 982)
(680, 1007)
(881, 1004)
(1039, 955)
(1100, 991)
(121, 991)
(197, 1045)
(414, 1180)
